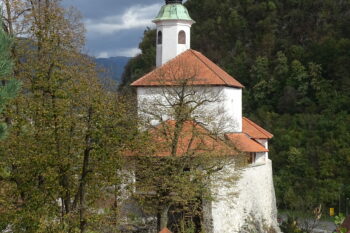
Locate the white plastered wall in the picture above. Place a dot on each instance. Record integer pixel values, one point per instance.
(262, 156)
(233, 106)
(264, 142)
(255, 199)
(225, 113)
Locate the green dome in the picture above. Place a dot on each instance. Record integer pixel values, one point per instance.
(173, 12)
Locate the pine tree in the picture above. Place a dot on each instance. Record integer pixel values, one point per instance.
(8, 87)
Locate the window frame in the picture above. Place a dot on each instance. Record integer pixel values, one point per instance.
(159, 37)
(181, 37)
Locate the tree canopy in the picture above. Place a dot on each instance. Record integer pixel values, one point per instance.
(67, 129)
(8, 86)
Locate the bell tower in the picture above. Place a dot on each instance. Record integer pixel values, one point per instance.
(173, 25)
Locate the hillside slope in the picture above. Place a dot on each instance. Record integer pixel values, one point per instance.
(293, 58)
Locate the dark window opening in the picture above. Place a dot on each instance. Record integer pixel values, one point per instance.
(182, 37)
(251, 158)
(160, 37)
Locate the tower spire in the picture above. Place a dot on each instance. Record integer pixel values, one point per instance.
(173, 31)
(173, 1)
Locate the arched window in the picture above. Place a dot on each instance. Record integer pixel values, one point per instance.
(182, 37)
(160, 37)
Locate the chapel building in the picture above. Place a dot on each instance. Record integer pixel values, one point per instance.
(178, 65)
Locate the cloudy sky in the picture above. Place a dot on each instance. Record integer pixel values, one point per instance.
(115, 27)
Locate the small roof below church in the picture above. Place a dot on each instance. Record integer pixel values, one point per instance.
(254, 130)
(189, 68)
(244, 143)
(194, 139)
(165, 230)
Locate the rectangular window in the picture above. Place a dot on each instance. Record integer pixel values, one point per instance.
(251, 158)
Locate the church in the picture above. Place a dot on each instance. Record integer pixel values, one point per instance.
(217, 100)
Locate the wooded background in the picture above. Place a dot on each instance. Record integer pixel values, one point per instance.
(294, 59)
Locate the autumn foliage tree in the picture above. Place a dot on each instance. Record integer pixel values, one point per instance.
(67, 130)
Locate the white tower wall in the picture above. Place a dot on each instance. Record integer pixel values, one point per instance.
(263, 156)
(170, 48)
(233, 106)
(225, 112)
(251, 200)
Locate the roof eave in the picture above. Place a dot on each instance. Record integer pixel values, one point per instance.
(157, 20)
(203, 85)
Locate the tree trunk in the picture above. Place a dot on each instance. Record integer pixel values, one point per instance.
(9, 18)
(84, 175)
(163, 217)
(82, 193)
(175, 141)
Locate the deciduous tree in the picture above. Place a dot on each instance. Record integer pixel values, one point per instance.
(61, 157)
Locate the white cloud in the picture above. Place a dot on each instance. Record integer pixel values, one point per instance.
(102, 55)
(137, 16)
(129, 52)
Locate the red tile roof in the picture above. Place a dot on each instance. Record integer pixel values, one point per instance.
(189, 68)
(194, 139)
(165, 230)
(244, 143)
(254, 130)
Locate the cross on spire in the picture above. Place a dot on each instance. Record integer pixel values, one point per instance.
(173, 1)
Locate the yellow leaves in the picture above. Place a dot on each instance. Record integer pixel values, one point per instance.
(62, 112)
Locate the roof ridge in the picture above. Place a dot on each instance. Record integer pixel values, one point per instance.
(210, 73)
(193, 51)
(250, 122)
(159, 67)
(258, 128)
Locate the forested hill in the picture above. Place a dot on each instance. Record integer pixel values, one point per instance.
(294, 59)
(113, 66)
